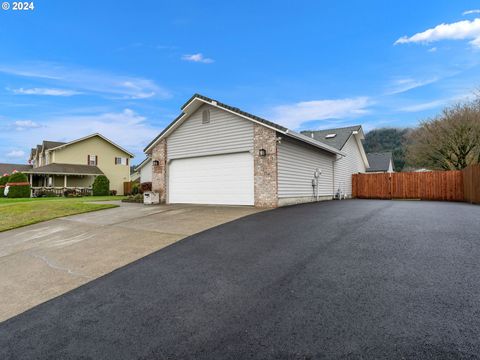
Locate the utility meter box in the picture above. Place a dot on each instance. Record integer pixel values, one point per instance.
(151, 197)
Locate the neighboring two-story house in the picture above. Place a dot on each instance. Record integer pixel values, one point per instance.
(75, 164)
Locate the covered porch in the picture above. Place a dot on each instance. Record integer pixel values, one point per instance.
(62, 179)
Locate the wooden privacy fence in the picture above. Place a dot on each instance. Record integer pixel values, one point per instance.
(434, 185)
(471, 182)
(127, 187)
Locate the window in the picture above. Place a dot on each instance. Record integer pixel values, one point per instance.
(92, 160)
(330, 136)
(121, 161)
(206, 117)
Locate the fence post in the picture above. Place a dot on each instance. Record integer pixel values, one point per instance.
(390, 185)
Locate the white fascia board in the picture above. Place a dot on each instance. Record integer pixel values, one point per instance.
(188, 112)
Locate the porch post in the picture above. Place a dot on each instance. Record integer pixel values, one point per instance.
(64, 181)
(31, 179)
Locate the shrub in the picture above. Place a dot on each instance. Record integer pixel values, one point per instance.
(134, 198)
(18, 191)
(145, 186)
(3, 182)
(45, 193)
(101, 186)
(70, 193)
(135, 188)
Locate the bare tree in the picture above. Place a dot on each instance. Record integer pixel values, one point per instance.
(448, 141)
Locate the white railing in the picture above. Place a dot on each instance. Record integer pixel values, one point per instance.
(60, 191)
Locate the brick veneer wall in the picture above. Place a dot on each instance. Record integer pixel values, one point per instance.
(265, 167)
(159, 172)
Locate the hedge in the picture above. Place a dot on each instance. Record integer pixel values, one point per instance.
(18, 191)
(101, 186)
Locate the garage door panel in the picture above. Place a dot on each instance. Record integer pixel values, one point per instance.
(220, 179)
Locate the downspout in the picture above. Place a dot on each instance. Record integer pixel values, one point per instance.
(333, 179)
(333, 172)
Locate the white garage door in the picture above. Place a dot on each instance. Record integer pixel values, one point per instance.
(219, 179)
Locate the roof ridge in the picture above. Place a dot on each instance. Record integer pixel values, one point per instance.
(238, 111)
(330, 129)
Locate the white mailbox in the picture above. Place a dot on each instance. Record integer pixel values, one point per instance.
(151, 197)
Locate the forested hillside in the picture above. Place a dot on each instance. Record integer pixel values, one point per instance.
(388, 139)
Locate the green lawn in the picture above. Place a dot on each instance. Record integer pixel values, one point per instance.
(20, 212)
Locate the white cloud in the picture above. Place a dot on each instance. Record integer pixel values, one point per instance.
(45, 91)
(423, 106)
(15, 154)
(460, 30)
(293, 115)
(406, 84)
(433, 49)
(460, 96)
(88, 80)
(25, 124)
(470, 12)
(126, 128)
(197, 58)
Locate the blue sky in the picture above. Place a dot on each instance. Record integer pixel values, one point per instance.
(123, 68)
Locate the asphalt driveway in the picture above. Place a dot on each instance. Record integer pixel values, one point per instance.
(347, 279)
(45, 260)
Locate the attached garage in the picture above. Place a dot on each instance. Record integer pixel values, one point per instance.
(217, 179)
(217, 154)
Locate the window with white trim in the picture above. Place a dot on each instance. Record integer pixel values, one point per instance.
(92, 160)
(121, 161)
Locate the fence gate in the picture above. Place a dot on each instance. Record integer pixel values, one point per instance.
(127, 187)
(471, 182)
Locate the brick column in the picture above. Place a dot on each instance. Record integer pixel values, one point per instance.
(265, 167)
(159, 172)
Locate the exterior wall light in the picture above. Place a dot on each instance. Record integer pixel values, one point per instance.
(262, 152)
(156, 163)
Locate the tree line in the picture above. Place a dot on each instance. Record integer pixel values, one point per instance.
(447, 141)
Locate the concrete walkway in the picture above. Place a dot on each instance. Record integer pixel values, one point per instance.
(42, 261)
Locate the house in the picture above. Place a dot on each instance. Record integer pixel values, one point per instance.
(144, 170)
(75, 164)
(213, 153)
(348, 140)
(380, 162)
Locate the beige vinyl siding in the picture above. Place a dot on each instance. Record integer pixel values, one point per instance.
(346, 166)
(73, 180)
(225, 133)
(296, 165)
(77, 153)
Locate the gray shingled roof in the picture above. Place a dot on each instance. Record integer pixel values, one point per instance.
(67, 169)
(280, 128)
(379, 161)
(8, 168)
(231, 108)
(51, 144)
(236, 110)
(341, 135)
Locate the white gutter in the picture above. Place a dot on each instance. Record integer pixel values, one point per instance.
(288, 132)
